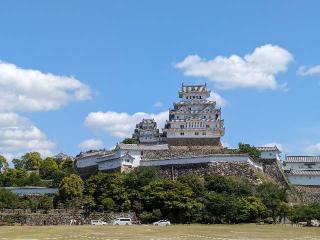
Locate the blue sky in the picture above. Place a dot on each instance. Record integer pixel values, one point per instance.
(112, 57)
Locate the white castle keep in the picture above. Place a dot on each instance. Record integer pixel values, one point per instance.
(194, 120)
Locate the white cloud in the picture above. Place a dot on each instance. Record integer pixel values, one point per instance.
(90, 144)
(278, 145)
(255, 70)
(309, 71)
(158, 104)
(18, 135)
(313, 149)
(121, 124)
(221, 102)
(31, 90)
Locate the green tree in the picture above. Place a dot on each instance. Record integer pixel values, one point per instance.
(71, 187)
(108, 185)
(47, 168)
(8, 200)
(32, 160)
(253, 152)
(18, 163)
(175, 199)
(273, 196)
(45, 203)
(68, 166)
(108, 204)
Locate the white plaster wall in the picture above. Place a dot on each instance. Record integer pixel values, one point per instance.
(270, 155)
(301, 166)
(304, 180)
(194, 160)
(86, 162)
(111, 164)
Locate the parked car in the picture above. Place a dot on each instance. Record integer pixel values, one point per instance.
(122, 221)
(162, 223)
(98, 222)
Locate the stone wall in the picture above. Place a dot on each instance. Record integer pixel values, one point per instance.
(184, 151)
(58, 217)
(273, 170)
(194, 142)
(244, 170)
(308, 194)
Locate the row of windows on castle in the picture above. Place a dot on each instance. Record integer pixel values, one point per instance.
(193, 97)
(195, 125)
(196, 133)
(204, 116)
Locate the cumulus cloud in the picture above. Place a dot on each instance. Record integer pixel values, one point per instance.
(31, 90)
(90, 144)
(309, 71)
(313, 149)
(221, 102)
(121, 124)
(255, 70)
(158, 104)
(18, 135)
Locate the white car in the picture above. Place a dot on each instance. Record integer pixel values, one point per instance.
(122, 221)
(98, 222)
(162, 223)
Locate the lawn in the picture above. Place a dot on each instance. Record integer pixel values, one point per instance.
(177, 232)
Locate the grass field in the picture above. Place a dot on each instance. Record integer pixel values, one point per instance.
(146, 232)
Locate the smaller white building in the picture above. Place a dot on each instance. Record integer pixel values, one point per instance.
(269, 153)
(302, 170)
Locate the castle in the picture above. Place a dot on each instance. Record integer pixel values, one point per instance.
(190, 139)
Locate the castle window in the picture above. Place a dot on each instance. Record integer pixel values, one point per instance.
(196, 133)
(207, 126)
(182, 133)
(204, 133)
(181, 126)
(200, 97)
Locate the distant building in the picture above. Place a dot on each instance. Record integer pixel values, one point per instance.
(269, 153)
(32, 191)
(146, 132)
(61, 156)
(303, 170)
(194, 120)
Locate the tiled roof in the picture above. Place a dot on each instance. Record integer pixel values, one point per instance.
(194, 88)
(92, 153)
(304, 173)
(142, 146)
(303, 159)
(193, 101)
(268, 149)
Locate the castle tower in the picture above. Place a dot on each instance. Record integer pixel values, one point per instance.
(147, 132)
(194, 120)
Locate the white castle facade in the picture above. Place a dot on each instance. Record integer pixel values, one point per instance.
(193, 123)
(194, 119)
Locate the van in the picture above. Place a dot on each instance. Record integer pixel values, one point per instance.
(122, 221)
(98, 222)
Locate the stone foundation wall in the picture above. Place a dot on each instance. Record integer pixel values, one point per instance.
(273, 170)
(194, 142)
(58, 217)
(244, 170)
(308, 194)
